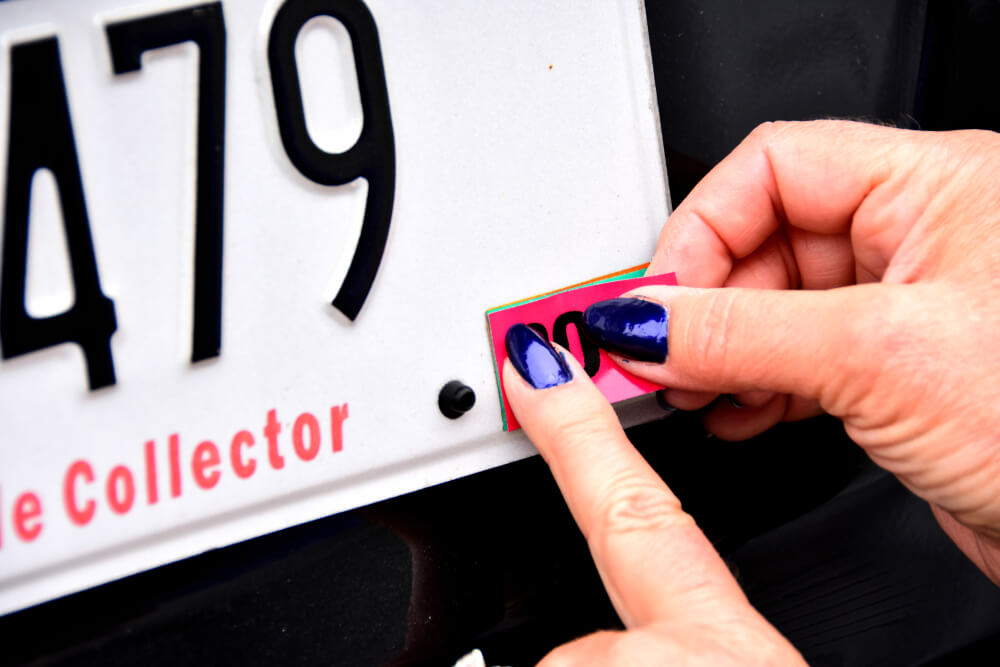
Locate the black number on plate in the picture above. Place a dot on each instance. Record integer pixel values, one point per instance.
(372, 157)
(204, 26)
(41, 137)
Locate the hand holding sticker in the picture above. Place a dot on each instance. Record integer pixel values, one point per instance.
(555, 314)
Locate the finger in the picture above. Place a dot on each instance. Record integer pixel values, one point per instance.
(800, 408)
(688, 400)
(812, 176)
(728, 422)
(751, 399)
(733, 340)
(648, 647)
(726, 639)
(595, 649)
(771, 266)
(653, 559)
(824, 261)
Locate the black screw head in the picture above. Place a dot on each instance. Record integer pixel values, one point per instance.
(455, 399)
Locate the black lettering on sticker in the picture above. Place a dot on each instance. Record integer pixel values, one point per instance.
(560, 335)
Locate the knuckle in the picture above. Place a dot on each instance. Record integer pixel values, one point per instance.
(708, 334)
(887, 339)
(763, 131)
(882, 328)
(572, 425)
(766, 133)
(572, 431)
(637, 506)
(864, 340)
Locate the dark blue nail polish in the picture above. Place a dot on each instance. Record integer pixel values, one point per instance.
(633, 328)
(535, 359)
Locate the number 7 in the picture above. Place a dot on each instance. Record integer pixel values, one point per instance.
(203, 25)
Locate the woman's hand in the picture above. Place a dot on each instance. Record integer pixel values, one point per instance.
(669, 586)
(862, 267)
(868, 262)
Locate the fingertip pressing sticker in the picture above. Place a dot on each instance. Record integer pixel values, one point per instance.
(554, 314)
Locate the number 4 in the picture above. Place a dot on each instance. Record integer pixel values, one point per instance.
(41, 136)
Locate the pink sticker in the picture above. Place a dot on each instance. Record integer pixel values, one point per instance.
(559, 315)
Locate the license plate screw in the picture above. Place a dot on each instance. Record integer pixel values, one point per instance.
(455, 399)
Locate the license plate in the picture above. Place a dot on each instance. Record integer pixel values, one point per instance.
(246, 244)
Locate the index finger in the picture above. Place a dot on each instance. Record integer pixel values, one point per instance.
(653, 559)
(813, 176)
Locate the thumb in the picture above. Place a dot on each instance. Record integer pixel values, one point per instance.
(814, 344)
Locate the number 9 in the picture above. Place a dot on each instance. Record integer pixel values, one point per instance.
(372, 157)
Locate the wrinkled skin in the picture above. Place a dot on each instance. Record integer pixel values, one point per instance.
(860, 268)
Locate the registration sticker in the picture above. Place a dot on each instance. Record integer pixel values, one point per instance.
(558, 316)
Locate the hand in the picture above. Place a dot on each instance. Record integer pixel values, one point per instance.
(868, 262)
(669, 586)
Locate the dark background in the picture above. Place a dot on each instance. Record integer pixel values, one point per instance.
(843, 560)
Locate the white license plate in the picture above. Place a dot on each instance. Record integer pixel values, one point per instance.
(262, 239)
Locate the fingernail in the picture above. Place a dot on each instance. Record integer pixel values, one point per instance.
(633, 328)
(535, 359)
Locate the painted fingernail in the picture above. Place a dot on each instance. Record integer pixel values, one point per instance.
(535, 359)
(633, 328)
